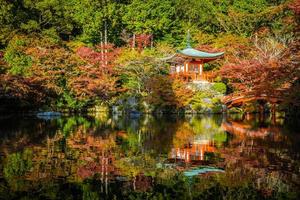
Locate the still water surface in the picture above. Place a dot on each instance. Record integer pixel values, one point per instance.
(169, 157)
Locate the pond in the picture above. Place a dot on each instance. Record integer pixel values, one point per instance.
(149, 157)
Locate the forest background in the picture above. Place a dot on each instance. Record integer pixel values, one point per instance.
(77, 54)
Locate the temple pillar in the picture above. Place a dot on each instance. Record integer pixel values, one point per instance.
(187, 70)
(201, 69)
(187, 67)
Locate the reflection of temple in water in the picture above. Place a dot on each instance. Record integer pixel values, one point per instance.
(195, 142)
(89, 153)
(193, 151)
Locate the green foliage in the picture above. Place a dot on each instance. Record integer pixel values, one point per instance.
(67, 101)
(161, 21)
(19, 63)
(88, 193)
(55, 29)
(17, 164)
(208, 128)
(206, 102)
(219, 87)
(68, 125)
(235, 110)
(167, 21)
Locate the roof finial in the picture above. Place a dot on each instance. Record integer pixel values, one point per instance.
(188, 40)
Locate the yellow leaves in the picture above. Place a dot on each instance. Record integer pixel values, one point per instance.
(272, 11)
(203, 38)
(36, 52)
(228, 40)
(74, 45)
(164, 50)
(167, 92)
(127, 55)
(182, 93)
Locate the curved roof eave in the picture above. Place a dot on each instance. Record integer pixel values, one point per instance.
(199, 54)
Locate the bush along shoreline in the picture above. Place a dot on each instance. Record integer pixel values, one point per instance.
(202, 98)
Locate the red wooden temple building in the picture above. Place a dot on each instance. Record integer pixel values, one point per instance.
(188, 63)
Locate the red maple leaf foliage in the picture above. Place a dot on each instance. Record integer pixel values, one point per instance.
(96, 77)
(295, 6)
(31, 90)
(271, 71)
(102, 56)
(141, 41)
(249, 76)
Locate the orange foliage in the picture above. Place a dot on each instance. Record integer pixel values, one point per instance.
(141, 41)
(103, 56)
(29, 90)
(295, 6)
(100, 85)
(167, 93)
(96, 76)
(272, 70)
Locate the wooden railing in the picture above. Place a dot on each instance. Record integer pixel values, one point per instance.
(193, 76)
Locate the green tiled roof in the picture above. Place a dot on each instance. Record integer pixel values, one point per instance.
(199, 54)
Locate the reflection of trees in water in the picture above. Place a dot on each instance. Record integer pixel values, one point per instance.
(87, 153)
(209, 128)
(20, 132)
(198, 129)
(263, 151)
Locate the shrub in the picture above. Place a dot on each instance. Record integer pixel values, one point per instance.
(204, 102)
(219, 87)
(235, 110)
(167, 93)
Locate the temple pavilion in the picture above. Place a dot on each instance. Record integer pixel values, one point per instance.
(188, 63)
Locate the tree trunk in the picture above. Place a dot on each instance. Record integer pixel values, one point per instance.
(105, 41)
(133, 41)
(151, 42)
(101, 46)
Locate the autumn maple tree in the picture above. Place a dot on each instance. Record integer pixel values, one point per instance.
(266, 73)
(166, 92)
(96, 77)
